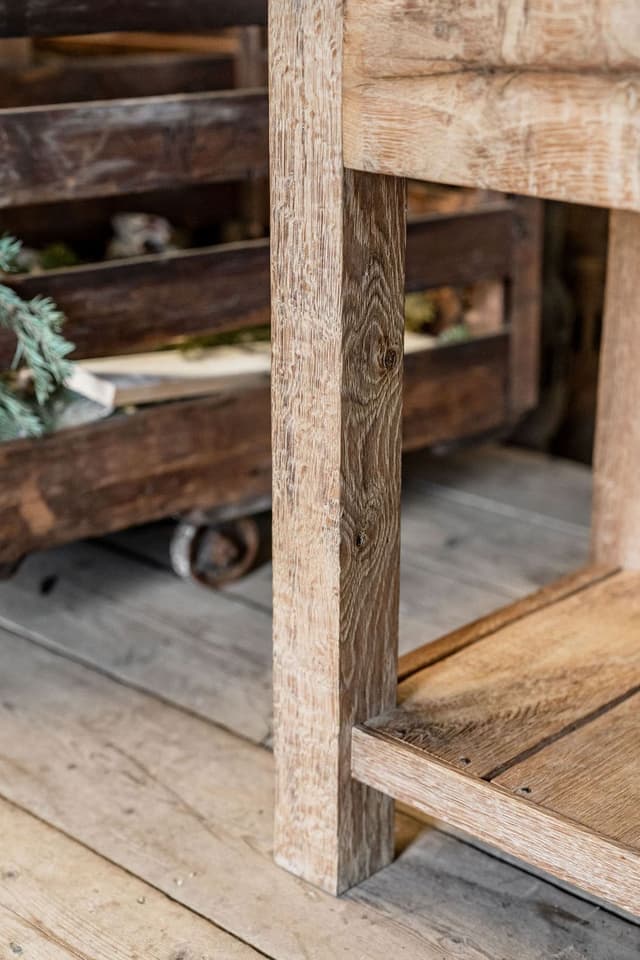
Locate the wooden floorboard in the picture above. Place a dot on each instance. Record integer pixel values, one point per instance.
(60, 901)
(187, 808)
(211, 652)
(144, 626)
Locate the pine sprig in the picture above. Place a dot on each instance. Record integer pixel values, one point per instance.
(40, 347)
(17, 418)
(9, 251)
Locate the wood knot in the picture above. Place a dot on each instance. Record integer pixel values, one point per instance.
(389, 359)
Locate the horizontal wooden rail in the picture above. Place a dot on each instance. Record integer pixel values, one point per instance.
(398, 40)
(115, 146)
(460, 248)
(42, 18)
(55, 79)
(130, 305)
(212, 451)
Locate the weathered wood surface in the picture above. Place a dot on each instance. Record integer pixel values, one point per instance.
(478, 400)
(60, 901)
(105, 475)
(338, 253)
(591, 776)
(188, 808)
(508, 482)
(616, 518)
(128, 306)
(475, 550)
(73, 79)
(525, 306)
(521, 828)
(34, 18)
(461, 248)
(555, 134)
(133, 305)
(336, 484)
(448, 644)
(394, 39)
(143, 626)
(104, 147)
(154, 463)
(479, 711)
(139, 624)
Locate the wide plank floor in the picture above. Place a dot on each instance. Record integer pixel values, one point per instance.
(137, 788)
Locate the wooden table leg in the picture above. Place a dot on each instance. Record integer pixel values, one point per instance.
(338, 242)
(616, 507)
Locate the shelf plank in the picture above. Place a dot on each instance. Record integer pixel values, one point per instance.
(527, 736)
(591, 775)
(436, 650)
(544, 839)
(499, 697)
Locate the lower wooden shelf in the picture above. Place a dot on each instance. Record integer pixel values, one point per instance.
(524, 731)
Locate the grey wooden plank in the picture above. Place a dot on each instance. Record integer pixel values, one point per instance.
(535, 484)
(188, 808)
(201, 650)
(60, 901)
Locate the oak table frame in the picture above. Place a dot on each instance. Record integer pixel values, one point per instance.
(519, 729)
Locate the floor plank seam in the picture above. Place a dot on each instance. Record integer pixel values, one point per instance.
(507, 623)
(119, 550)
(560, 734)
(37, 640)
(130, 873)
(477, 501)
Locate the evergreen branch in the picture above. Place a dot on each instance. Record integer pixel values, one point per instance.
(17, 418)
(9, 250)
(41, 348)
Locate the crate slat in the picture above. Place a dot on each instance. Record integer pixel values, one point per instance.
(42, 18)
(215, 450)
(108, 147)
(75, 79)
(132, 305)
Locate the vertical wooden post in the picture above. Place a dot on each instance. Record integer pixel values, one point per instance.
(525, 307)
(616, 512)
(250, 72)
(337, 326)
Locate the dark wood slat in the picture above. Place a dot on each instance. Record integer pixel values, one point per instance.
(200, 209)
(455, 391)
(41, 18)
(127, 306)
(118, 146)
(211, 451)
(460, 248)
(75, 79)
(122, 307)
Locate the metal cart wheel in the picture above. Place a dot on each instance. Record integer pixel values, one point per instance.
(215, 553)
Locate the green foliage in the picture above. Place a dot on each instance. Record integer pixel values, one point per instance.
(40, 348)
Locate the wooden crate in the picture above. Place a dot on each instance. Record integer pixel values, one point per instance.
(132, 135)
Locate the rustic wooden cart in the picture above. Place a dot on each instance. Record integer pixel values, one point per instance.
(85, 133)
(521, 729)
